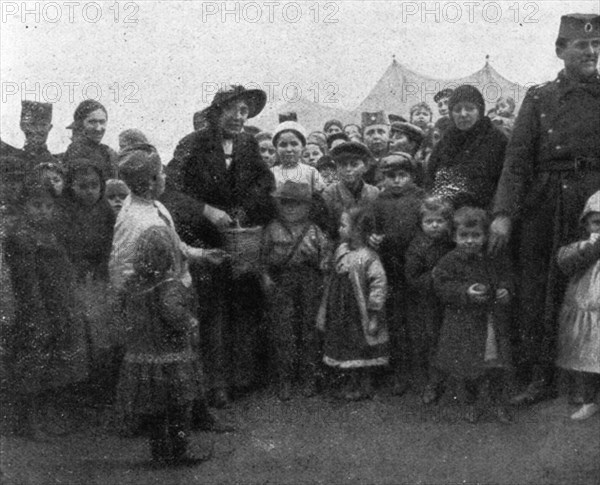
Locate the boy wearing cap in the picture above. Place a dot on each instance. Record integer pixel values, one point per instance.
(351, 191)
(552, 166)
(295, 253)
(397, 215)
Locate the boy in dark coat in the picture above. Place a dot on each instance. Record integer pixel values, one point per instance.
(476, 290)
(424, 310)
(397, 217)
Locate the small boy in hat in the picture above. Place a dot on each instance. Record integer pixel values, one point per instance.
(333, 126)
(406, 137)
(266, 148)
(36, 123)
(376, 132)
(351, 160)
(397, 215)
(295, 253)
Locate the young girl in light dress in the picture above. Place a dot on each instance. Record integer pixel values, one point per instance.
(352, 311)
(579, 335)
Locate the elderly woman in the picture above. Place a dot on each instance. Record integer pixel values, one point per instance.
(465, 165)
(216, 179)
(89, 127)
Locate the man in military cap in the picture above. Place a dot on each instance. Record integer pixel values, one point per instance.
(36, 123)
(376, 135)
(552, 166)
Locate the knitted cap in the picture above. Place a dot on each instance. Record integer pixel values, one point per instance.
(292, 126)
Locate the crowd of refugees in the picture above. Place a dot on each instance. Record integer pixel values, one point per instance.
(462, 254)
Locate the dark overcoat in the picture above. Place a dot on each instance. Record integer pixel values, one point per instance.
(552, 167)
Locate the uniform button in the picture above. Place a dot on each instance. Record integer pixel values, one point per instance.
(543, 115)
(550, 130)
(558, 147)
(565, 186)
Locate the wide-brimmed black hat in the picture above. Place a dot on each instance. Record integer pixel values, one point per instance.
(255, 98)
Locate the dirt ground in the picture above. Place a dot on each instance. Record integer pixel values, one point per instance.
(388, 440)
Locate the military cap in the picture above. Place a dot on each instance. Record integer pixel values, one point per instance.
(579, 26)
(288, 116)
(375, 118)
(350, 150)
(36, 111)
(413, 132)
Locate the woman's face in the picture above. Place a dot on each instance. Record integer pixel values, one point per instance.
(311, 154)
(94, 125)
(289, 148)
(86, 188)
(465, 114)
(233, 117)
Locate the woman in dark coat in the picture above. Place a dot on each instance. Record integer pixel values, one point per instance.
(217, 178)
(465, 165)
(89, 126)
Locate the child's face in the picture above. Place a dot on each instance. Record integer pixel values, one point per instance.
(401, 143)
(592, 223)
(350, 172)
(311, 154)
(397, 179)
(503, 108)
(40, 209)
(289, 148)
(116, 200)
(443, 106)
(86, 188)
(435, 225)
(345, 229)
(332, 130)
(420, 117)
(292, 211)
(54, 181)
(267, 152)
(470, 239)
(328, 175)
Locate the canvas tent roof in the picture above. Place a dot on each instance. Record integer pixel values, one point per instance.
(399, 88)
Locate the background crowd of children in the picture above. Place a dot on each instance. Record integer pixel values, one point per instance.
(362, 269)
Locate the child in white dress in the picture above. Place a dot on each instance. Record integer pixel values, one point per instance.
(579, 335)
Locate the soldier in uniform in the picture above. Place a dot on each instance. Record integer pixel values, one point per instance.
(376, 135)
(552, 167)
(36, 123)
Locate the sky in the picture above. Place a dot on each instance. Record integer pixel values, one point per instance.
(154, 63)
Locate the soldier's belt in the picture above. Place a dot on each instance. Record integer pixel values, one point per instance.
(578, 164)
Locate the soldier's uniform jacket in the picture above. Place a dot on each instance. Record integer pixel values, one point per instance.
(557, 131)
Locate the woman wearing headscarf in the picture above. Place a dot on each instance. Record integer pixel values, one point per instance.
(89, 126)
(216, 179)
(465, 165)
